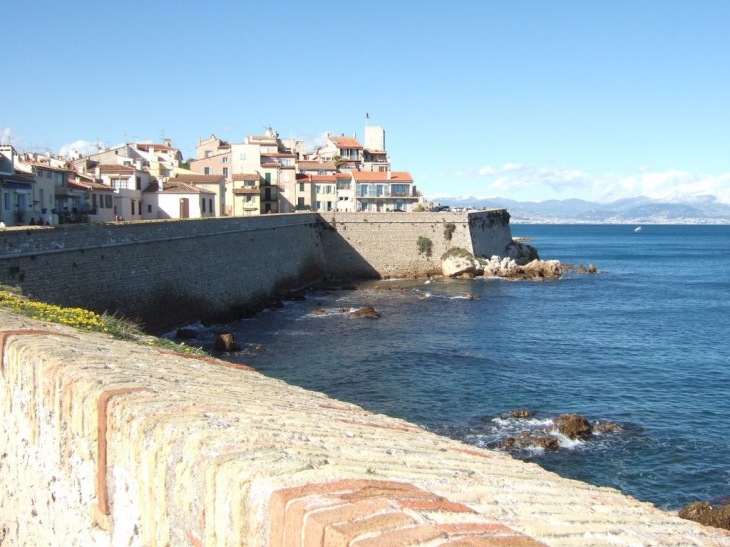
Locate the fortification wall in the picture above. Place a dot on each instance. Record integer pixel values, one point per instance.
(106, 443)
(389, 243)
(168, 272)
(164, 272)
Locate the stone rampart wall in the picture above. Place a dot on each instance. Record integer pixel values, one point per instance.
(107, 443)
(164, 272)
(168, 272)
(389, 243)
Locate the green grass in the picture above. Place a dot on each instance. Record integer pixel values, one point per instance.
(88, 321)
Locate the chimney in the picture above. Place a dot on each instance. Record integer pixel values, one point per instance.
(388, 174)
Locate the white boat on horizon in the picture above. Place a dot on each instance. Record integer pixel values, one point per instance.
(637, 229)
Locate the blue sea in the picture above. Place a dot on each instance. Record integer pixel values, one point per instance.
(644, 343)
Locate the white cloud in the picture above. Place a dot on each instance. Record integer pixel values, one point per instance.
(81, 147)
(671, 186)
(313, 140)
(519, 177)
(7, 137)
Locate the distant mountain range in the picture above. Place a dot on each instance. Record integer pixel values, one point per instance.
(640, 210)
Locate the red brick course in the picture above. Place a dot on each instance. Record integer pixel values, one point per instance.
(371, 513)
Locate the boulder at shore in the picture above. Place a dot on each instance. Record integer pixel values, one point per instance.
(704, 513)
(458, 265)
(523, 263)
(574, 426)
(226, 342)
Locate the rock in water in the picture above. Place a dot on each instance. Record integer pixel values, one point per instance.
(574, 426)
(522, 253)
(226, 342)
(608, 427)
(367, 311)
(704, 513)
(458, 265)
(521, 413)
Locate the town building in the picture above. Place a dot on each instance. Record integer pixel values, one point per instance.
(384, 191)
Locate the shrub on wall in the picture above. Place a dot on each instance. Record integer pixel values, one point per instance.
(424, 246)
(449, 228)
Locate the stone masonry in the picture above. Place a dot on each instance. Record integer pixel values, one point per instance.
(107, 443)
(166, 273)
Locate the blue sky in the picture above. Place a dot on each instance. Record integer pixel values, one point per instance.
(528, 100)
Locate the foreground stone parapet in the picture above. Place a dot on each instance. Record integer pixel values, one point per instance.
(110, 443)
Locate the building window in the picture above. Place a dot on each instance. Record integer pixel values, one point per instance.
(224, 159)
(149, 208)
(139, 183)
(48, 174)
(224, 171)
(301, 187)
(93, 201)
(7, 201)
(108, 200)
(328, 189)
(133, 208)
(206, 170)
(319, 205)
(202, 205)
(40, 173)
(119, 184)
(243, 157)
(267, 177)
(208, 153)
(210, 205)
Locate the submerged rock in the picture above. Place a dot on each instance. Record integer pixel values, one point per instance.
(573, 426)
(607, 427)
(319, 311)
(528, 440)
(366, 311)
(226, 342)
(521, 413)
(704, 513)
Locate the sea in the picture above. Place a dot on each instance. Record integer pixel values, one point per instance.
(643, 343)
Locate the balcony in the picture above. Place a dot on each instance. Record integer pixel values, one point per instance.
(246, 190)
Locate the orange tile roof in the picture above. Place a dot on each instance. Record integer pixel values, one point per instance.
(323, 178)
(193, 179)
(247, 190)
(153, 146)
(380, 176)
(90, 185)
(318, 165)
(269, 164)
(246, 176)
(345, 142)
(116, 168)
(182, 188)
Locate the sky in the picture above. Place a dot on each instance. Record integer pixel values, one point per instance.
(521, 99)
